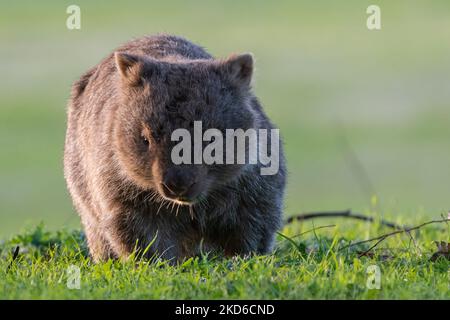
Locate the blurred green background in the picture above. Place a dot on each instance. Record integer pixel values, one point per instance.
(362, 112)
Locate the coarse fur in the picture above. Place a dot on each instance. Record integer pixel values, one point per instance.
(117, 155)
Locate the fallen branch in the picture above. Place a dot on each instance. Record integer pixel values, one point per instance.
(379, 239)
(345, 214)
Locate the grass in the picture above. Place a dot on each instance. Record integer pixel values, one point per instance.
(309, 266)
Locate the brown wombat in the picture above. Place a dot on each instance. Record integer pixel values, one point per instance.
(118, 166)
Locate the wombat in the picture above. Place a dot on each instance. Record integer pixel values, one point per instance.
(118, 166)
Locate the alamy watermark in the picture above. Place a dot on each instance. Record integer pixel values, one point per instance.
(241, 147)
(374, 277)
(73, 21)
(374, 20)
(73, 277)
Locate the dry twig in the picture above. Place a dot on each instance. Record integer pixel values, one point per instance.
(379, 239)
(345, 214)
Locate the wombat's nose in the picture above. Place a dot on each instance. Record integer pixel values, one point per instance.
(174, 189)
(177, 186)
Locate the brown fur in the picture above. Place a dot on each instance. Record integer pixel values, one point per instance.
(117, 154)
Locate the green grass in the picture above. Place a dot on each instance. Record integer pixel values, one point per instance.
(309, 266)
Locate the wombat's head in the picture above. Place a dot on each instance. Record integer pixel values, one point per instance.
(158, 97)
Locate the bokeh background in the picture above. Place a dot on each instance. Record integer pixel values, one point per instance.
(362, 112)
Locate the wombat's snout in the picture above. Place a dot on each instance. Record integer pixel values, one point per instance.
(181, 185)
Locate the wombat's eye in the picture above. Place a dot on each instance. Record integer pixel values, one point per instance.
(145, 141)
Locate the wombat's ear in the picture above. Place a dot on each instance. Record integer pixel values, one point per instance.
(130, 67)
(240, 68)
